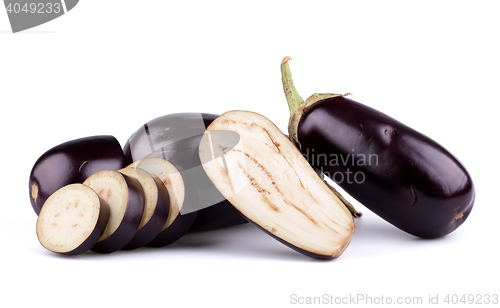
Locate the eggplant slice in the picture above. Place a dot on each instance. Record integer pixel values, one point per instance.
(156, 207)
(270, 183)
(177, 224)
(72, 220)
(125, 198)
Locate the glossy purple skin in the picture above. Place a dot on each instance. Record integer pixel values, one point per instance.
(409, 180)
(72, 162)
(290, 245)
(131, 219)
(179, 227)
(152, 228)
(176, 138)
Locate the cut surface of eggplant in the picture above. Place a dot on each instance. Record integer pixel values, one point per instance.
(270, 183)
(156, 207)
(72, 220)
(177, 224)
(171, 179)
(125, 198)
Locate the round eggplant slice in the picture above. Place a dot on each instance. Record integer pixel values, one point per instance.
(72, 162)
(72, 220)
(269, 182)
(156, 207)
(177, 224)
(125, 198)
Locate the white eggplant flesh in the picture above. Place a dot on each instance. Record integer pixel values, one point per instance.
(125, 198)
(72, 220)
(265, 177)
(172, 180)
(177, 225)
(156, 207)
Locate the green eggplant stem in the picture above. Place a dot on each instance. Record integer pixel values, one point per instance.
(295, 102)
(297, 108)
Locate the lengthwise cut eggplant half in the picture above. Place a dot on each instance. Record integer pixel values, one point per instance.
(273, 186)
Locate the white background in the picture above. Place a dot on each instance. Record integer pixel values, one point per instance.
(107, 67)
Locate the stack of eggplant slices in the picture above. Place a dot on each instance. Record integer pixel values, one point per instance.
(196, 172)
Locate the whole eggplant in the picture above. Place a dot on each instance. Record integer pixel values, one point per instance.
(176, 138)
(72, 162)
(403, 176)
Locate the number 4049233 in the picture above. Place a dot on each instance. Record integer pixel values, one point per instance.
(471, 299)
(34, 8)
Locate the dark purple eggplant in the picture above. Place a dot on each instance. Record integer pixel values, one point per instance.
(403, 176)
(73, 220)
(72, 162)
(176, 138)
(125, 197)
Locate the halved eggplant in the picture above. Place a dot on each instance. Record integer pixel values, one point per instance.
(72, 162)
(125, 198)
(156, 207)
(270, 183)
(176, 138)
(72, 220)
(177, 223)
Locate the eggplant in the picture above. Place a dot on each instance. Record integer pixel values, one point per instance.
(72, 220)
(271, 184)
(177, 225)
(72, 162)
(125, 197)
(402, 175)
(156, 207)
(176, 138)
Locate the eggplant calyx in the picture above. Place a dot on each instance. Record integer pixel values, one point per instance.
(297, 108)
(355, 213)
(296, 104)
(348, 205)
